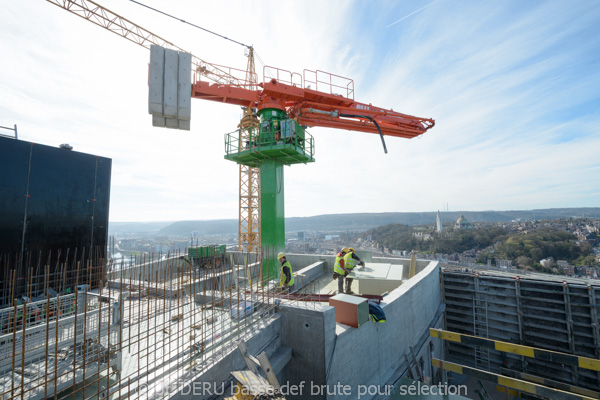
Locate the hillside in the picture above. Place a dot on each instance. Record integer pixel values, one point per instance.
(137, 227)
(359, 221)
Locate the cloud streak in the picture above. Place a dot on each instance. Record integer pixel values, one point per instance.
(411, 14)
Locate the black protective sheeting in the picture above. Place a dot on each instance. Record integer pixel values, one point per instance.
(54, 206)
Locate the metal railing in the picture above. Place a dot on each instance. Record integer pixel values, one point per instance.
(329, 83)
(10, 129)
(256, 141)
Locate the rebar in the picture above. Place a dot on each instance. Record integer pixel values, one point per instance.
(74, 325)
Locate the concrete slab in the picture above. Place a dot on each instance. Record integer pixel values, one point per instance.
(395, 273)
(371, 271)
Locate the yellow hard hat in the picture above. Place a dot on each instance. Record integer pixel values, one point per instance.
(280, 255)
(344, 249)
(351, 249)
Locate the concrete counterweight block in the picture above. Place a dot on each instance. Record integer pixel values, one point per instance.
(155, 82)
(184, 87)
(170, 88)
(159, 121)
(170, 84)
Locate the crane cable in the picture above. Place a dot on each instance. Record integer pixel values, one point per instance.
(189, 23)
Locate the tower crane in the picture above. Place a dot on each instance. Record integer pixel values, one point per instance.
(273, 130)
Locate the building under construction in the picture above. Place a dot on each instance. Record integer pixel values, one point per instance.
(76, 325)
(166, 327)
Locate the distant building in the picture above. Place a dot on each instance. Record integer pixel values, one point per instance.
(463, 223)
(569, 270)
(302, 235)
(439, 222)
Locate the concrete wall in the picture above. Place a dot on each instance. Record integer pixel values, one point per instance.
(145, 271)
(300, 261)
(309, 274)
(371, 354)
(335, 355)
(306, 328)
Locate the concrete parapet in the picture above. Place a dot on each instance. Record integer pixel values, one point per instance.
(309, 274)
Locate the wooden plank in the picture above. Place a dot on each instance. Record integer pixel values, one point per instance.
(248, 359)
(266, 367)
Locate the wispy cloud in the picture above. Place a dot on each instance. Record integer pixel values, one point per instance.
(412, 13)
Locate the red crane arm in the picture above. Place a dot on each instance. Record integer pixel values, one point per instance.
(315, 108)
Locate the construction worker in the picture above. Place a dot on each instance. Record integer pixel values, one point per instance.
(339, 272)
(286, 276)
(350, 260)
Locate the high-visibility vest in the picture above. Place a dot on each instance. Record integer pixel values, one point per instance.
(349, 262)
(282, 275)
(339, 262)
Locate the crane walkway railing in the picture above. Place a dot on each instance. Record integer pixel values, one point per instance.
(288, 142)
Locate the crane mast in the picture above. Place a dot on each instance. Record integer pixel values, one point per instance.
(286, 104)
(249, 178)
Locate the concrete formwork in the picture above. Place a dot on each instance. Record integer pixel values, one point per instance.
(537, 311)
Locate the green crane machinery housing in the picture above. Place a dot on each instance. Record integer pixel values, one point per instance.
(277, 141)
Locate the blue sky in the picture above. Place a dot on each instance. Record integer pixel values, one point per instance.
(514, 88)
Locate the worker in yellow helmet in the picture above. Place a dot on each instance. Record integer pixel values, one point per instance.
(286, 275)
(350, 260)
(339, 272)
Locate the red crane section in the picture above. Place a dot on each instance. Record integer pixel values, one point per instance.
(312, 107)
